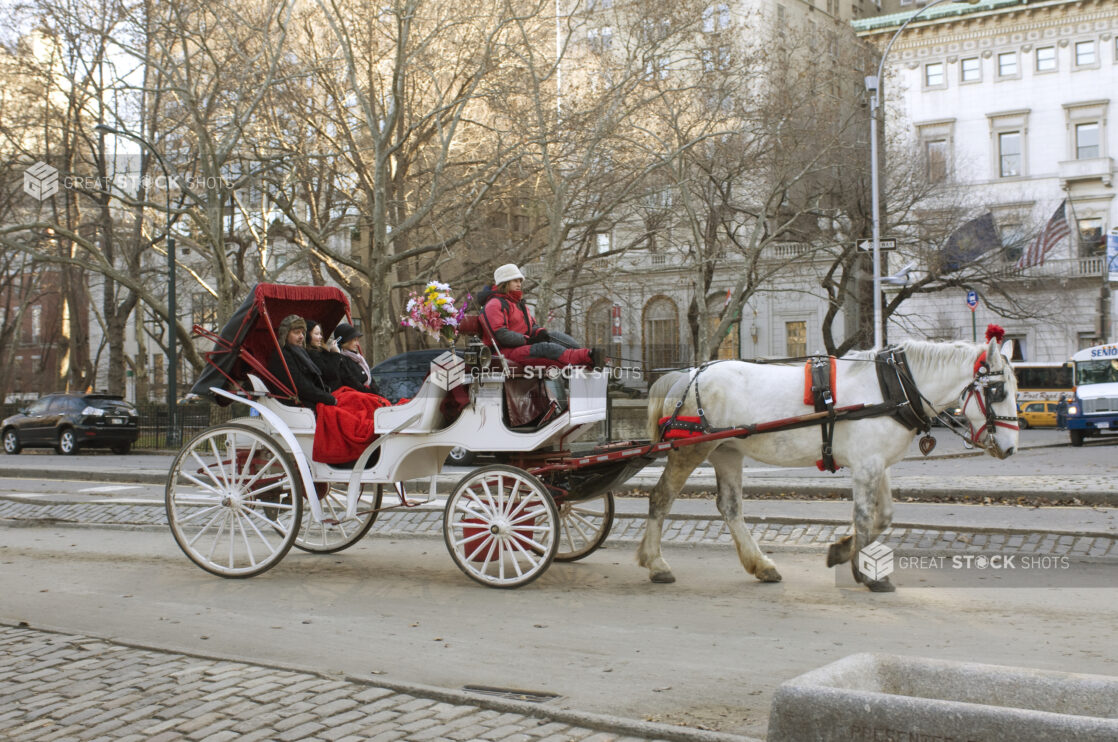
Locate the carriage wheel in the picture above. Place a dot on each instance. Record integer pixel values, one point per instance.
(234, 501)
(501, 526)
(584, 526)
(335, 533)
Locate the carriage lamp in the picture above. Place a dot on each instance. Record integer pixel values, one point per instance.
(477, 354)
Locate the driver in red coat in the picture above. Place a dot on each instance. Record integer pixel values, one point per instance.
(520, 338)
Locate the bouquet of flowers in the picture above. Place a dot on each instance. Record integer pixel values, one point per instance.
(433, 312)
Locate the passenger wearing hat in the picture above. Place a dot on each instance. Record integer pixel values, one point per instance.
(519, 337)
(293, 364)
(352, 369)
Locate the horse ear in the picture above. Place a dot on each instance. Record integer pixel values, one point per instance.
(993, 355)
(1007, 350)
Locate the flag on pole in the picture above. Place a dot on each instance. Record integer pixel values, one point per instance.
(1056, 230)
(970, 242)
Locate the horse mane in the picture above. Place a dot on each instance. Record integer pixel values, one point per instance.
(923, 353)
(943, 354)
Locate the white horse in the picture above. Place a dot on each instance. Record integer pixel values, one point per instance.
(736, 394)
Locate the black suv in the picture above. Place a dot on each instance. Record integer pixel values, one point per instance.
(71, 420)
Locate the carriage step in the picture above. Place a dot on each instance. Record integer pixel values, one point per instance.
(531, 696)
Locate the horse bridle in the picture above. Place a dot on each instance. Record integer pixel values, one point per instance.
(986, 390)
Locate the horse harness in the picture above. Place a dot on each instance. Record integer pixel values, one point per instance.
(902, 401)
(986, 390)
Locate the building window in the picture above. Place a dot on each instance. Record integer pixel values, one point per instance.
(729, 342)
(662, 348)
(600, 39)
(795, 339)
(1046, 59)
(970, 70)
(1086, 141)
(1088, 340)
(1091, 239)
(1085, 54)
(716, 18)
(1009, 154)
(935, 160)
(1007, 64)
(598, 324)
(933, 75)
(603, 242)
(36, 324)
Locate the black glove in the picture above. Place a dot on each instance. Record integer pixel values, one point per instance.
(539, 335)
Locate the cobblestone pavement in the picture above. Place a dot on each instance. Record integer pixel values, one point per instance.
(773, 534)
(69, 687)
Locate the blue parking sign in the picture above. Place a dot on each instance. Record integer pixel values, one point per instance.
(972, 299)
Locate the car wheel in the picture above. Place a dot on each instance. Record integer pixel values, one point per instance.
(67, 442)
(1076, 437)
(122, 449)
(1023, 423)
(459, 456)
(11, 442)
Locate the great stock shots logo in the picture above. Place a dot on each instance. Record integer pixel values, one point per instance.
(876, 561)
(40, 181)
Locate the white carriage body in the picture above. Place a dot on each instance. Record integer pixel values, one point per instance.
(413, 441)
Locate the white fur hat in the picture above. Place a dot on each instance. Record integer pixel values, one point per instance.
(507, 272)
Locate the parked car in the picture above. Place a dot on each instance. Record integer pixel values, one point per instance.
(69, 421)
(1037, 415)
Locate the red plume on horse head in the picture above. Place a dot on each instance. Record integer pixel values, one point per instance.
(996, 332)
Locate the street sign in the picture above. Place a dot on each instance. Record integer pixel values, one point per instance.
(883, 245)
(972, 299)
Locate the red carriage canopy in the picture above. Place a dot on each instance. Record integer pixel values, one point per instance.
(248, 340)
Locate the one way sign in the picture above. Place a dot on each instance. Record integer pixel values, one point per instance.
(885, 244)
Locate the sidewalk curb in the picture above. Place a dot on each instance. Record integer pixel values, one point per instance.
(600, 722)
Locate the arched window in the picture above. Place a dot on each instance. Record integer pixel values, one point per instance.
(660, 324)
(729, 347)
(598, 321)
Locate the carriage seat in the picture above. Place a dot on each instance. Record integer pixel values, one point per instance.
(298, 419)
(425, 406)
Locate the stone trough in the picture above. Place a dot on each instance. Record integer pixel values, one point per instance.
(889, 698)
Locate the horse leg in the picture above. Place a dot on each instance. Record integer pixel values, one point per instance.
(868, 484)
(727, 469)
(883, 505)
(842, 550)
(679, 466)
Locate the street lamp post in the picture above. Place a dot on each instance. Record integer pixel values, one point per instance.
(172, 339)
(873, 86)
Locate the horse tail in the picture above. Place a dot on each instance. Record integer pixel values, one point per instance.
(657, 397)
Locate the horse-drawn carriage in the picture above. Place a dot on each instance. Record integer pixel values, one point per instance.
(241, 494)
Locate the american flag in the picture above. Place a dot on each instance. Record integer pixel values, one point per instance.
(1055, 230)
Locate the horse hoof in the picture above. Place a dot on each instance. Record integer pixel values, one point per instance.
(768, 574)
(834, 554)
(879, 586)
(663, 578)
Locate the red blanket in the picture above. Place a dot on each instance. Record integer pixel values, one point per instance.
(343, 431)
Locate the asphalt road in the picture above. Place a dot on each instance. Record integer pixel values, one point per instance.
(705, 652)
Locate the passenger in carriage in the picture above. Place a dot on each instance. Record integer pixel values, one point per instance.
(305, 374)
(352, 369)
(520, 338)
(325, 355)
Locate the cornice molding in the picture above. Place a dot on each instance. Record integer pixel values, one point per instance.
(1000, 29)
